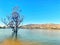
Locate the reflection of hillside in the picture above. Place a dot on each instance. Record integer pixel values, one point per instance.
(41, 26)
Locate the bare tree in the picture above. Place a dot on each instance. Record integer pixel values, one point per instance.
(13, 21)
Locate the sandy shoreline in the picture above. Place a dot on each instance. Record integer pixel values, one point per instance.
(17, 42)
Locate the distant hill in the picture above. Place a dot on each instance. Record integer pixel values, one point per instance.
(38, 26)
(41, 26)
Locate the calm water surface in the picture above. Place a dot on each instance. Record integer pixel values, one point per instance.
(44, 37)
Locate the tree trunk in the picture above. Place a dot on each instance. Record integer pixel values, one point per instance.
(16, 30)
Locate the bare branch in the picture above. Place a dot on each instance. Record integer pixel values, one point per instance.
(14, 20)
(4, 21)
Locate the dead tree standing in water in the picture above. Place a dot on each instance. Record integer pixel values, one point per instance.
(14, 21)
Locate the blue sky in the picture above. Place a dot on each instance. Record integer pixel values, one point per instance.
(34, 11)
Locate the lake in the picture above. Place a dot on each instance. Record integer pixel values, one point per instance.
(40, 36)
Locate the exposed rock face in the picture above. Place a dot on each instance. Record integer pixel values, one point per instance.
(41, 26)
